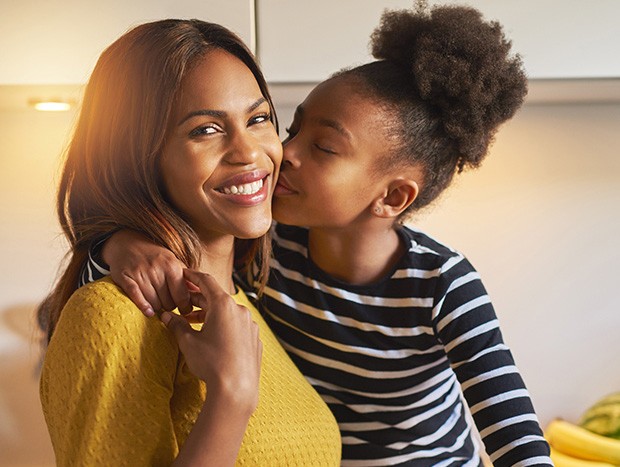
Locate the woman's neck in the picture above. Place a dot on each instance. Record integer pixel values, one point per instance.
(355, 256)
(217, 259)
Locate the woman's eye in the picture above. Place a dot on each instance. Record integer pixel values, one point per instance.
(203, 130)
(262, 118)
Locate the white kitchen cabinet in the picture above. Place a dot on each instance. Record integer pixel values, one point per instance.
(301, 41)
(59, 41)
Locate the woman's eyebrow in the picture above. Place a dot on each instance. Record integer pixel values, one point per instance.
(219, 113)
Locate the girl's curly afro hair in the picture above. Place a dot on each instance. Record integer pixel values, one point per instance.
(450, 78)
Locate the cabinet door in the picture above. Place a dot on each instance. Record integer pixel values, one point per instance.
(59, 41)
(302, 41)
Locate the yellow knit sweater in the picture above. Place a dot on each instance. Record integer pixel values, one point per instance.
(115, 391)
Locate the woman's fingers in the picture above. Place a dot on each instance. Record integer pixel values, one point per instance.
(227, 351)
(206, 284)
(196, 316)
(180, 328)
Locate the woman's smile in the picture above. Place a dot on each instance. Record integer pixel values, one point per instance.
(247, 189)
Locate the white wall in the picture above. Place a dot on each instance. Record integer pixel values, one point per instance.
(59, 41)
(31, 249)
(556, 38)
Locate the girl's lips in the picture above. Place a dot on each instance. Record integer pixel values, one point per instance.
(283, 187)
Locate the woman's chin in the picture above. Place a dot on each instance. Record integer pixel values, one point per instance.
(255, 229)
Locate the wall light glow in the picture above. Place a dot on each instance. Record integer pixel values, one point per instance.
(55, 105)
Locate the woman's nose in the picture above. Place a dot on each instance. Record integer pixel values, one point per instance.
(244, 148)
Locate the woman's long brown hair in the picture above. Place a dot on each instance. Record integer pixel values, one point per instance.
(110, 178)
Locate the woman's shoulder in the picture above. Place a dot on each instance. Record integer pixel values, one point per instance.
(100, 312)
(98, 292)
(101, 300)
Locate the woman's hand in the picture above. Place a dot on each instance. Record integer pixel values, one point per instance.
(150, 275)
(226, 353)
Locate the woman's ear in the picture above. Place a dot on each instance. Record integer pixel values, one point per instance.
(399, 195)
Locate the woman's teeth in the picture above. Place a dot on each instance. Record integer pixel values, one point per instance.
(245, 189)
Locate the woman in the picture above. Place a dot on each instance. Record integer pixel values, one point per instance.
(176, 139)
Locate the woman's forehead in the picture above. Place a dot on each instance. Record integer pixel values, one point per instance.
(219, 80)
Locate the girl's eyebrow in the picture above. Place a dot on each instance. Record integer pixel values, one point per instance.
(328, 122)
(219, 113)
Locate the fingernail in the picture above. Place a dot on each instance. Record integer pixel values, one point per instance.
(148, 311)
(165, 317)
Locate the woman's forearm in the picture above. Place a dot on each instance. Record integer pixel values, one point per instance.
(217, 434)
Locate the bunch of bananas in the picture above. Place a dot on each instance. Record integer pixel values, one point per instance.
(574, 446)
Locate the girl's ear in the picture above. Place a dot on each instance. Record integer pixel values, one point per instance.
(399, 195)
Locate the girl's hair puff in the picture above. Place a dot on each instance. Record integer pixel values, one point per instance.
(449, 79)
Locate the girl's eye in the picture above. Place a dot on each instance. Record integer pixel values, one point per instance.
(290, 134)
(324, 149)
(204, 130)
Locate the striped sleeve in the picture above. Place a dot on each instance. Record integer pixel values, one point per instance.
(95, 267)
(466, 324)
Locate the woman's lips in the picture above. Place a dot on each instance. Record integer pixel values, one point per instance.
(244, 178)
(247, 189)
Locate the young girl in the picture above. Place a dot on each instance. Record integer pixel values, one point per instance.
(389, 325)
(175, 117)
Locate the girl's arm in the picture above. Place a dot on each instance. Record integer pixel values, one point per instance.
(495, 392)
(150, 275)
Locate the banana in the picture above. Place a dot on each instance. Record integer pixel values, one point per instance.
(564, 460)
(575, 441)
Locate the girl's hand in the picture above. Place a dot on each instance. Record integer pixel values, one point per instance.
(226, 353)
(150, 275)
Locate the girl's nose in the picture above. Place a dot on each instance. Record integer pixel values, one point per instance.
(290, 153)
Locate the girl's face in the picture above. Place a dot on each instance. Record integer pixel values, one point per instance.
(222, 151)
(328, 176)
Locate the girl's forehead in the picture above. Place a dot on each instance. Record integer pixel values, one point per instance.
(340, 105)
(338, 97)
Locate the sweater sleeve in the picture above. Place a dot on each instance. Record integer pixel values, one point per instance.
(465, 321)
(106, 384)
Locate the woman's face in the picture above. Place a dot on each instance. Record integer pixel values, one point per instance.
(328, 176)
(222, 151)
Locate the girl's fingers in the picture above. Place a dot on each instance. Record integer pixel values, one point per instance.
(164, 295)
(171, 287)
(134, 292)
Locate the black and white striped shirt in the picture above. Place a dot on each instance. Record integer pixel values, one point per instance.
(392, 358)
